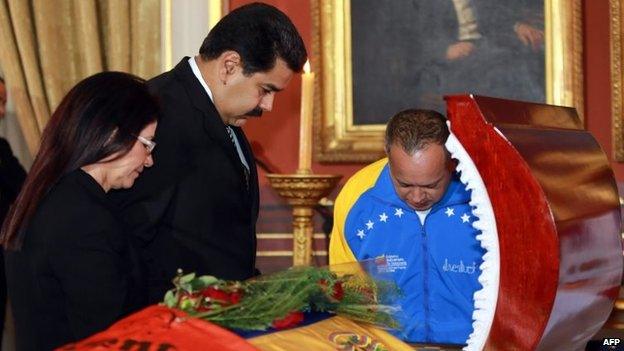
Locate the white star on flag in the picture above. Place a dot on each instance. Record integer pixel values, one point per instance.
(450, 211)
(369, 225)
(399, 212)
(465, 218)
(383, 217)
(361, 234)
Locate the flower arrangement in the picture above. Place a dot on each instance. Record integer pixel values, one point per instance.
(278, 300)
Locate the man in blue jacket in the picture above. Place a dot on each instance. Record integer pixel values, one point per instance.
(410, 211)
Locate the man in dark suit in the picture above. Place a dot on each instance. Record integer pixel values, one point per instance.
(196, 209)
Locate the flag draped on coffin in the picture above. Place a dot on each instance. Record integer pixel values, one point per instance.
(158, 328)
(334, 333)
(163, 329)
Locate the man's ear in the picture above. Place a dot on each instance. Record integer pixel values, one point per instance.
(229, 63)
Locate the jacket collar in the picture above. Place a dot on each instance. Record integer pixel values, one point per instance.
(92, 187)
(213, 124)
(194, 89)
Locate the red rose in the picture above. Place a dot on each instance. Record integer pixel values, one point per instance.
(203, 308)
(291, 319)
(338, 291)
(235, 297)
(215, 294)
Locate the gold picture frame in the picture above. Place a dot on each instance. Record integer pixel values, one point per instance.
(617, 113)
(338, 139)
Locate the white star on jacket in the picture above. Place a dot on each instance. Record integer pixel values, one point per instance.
(465, 218)
(361, 234)
(383, 217)
(449, 211)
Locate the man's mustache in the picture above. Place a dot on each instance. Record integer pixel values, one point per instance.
(256, 112)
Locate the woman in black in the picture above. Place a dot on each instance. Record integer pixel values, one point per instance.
(71, 271)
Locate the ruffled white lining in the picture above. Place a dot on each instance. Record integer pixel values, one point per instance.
(486, 298)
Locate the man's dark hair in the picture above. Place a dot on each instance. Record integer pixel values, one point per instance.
(1, 80)
(260, 34)
(415, 129)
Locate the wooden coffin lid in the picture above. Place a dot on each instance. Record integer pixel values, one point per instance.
(556, 207)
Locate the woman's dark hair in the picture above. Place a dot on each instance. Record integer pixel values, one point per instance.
(260, 34)
(99, 117)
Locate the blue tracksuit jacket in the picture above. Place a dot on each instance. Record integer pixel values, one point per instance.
(436, 265)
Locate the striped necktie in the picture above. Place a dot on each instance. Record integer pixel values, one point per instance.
(236, 147)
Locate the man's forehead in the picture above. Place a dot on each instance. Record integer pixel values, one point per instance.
(430, 160)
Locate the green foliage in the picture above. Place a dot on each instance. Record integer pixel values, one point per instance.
(255, 304)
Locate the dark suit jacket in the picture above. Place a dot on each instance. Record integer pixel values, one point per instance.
(74, 275)
(192, 209)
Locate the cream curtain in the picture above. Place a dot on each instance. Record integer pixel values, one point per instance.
(47, 46)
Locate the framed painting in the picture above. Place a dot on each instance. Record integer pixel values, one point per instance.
(378, 57)
(617, 78)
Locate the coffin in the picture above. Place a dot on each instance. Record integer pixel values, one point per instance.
(548, 210)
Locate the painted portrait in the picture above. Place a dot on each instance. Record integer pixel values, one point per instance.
(412, 52)
(378, 57)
